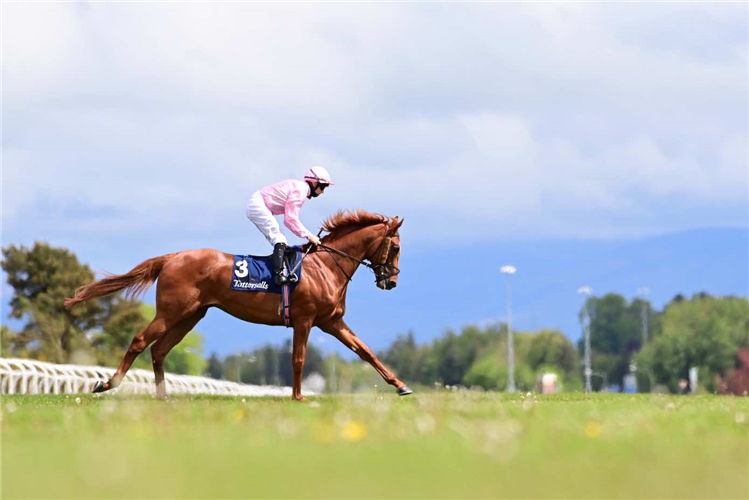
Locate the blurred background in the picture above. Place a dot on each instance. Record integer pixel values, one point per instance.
(599, 145)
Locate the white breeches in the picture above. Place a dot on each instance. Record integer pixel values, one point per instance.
(260, 215)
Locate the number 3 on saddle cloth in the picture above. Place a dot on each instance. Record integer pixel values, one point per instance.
(252, 273)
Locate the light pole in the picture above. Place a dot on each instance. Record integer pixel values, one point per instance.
(585, 291)
(509, 271)
(643, 292)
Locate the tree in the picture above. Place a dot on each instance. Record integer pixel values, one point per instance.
(313, 362)
(215, 368)
(451, 356)
(125, 319)
(449, 365)
(615, 334)
(491, 372)
(704, 332)
(42, 277)
(265, 365)
(551, 348)
(6, 334)
(404, 357)
(96, 331)
(487, 373)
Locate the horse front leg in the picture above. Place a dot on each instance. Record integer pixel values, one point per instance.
(340, 330)
(301, 336)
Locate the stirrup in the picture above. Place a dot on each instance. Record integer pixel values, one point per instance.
(280, 279)
(293, 278)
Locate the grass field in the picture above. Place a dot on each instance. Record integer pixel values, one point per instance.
(433, 445)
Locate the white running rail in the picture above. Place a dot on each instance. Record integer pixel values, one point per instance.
(25, 376)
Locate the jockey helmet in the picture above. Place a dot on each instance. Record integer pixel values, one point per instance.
(318, 174)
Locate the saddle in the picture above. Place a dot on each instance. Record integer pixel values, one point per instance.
(253, 273)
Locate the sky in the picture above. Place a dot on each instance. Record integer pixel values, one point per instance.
(133, 130)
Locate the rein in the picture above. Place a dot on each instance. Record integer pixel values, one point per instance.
(332, 250)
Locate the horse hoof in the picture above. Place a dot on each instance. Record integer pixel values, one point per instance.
(101, 387)
(404, 391)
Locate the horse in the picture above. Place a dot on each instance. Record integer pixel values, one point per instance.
(190, 282)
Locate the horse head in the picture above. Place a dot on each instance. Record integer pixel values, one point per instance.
(369, 236)
(386, 258)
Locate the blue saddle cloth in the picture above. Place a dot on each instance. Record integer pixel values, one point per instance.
(255, 274)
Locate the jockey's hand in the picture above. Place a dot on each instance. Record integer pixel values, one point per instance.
(314, 240)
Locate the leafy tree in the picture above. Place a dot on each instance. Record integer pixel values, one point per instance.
(491, 372)
(126, 318)
(704, 332)
(5, 337)
(313, 362)
(478, 357)
(487, 373)
(269, 362)
(405, 357)
(233, 366)
(551, 348)
(449, 362)
(96, 331)
(615, 333)
(215, 368)
(42, 277)
(615, 329)
(451, 356)
(265, 365)
(251, 368)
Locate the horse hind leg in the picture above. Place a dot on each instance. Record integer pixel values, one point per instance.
(164, 344)
(153, 331)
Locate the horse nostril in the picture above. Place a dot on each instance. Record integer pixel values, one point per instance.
(391, 285)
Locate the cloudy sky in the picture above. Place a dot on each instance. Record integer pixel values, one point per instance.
(131, 130)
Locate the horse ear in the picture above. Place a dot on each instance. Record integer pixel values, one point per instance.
(398, 224)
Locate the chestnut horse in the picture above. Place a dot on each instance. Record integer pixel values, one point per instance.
(192, 281)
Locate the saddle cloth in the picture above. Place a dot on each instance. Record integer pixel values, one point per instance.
(252, 273)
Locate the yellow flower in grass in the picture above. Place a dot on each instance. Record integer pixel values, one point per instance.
(353, 431)
(592, 430)
(324, 433)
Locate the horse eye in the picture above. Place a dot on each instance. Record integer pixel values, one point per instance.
(396, 249)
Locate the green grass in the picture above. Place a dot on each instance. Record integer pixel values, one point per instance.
(433, 445)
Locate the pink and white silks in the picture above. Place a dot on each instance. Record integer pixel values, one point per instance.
(285, 197)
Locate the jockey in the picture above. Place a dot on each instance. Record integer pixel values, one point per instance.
(285, 197)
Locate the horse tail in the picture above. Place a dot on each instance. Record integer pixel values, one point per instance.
(135, 282)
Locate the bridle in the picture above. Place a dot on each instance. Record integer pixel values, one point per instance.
(382, 270)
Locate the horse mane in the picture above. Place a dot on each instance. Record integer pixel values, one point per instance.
(352, 219)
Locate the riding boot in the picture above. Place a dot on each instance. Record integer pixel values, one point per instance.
(279, 252)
